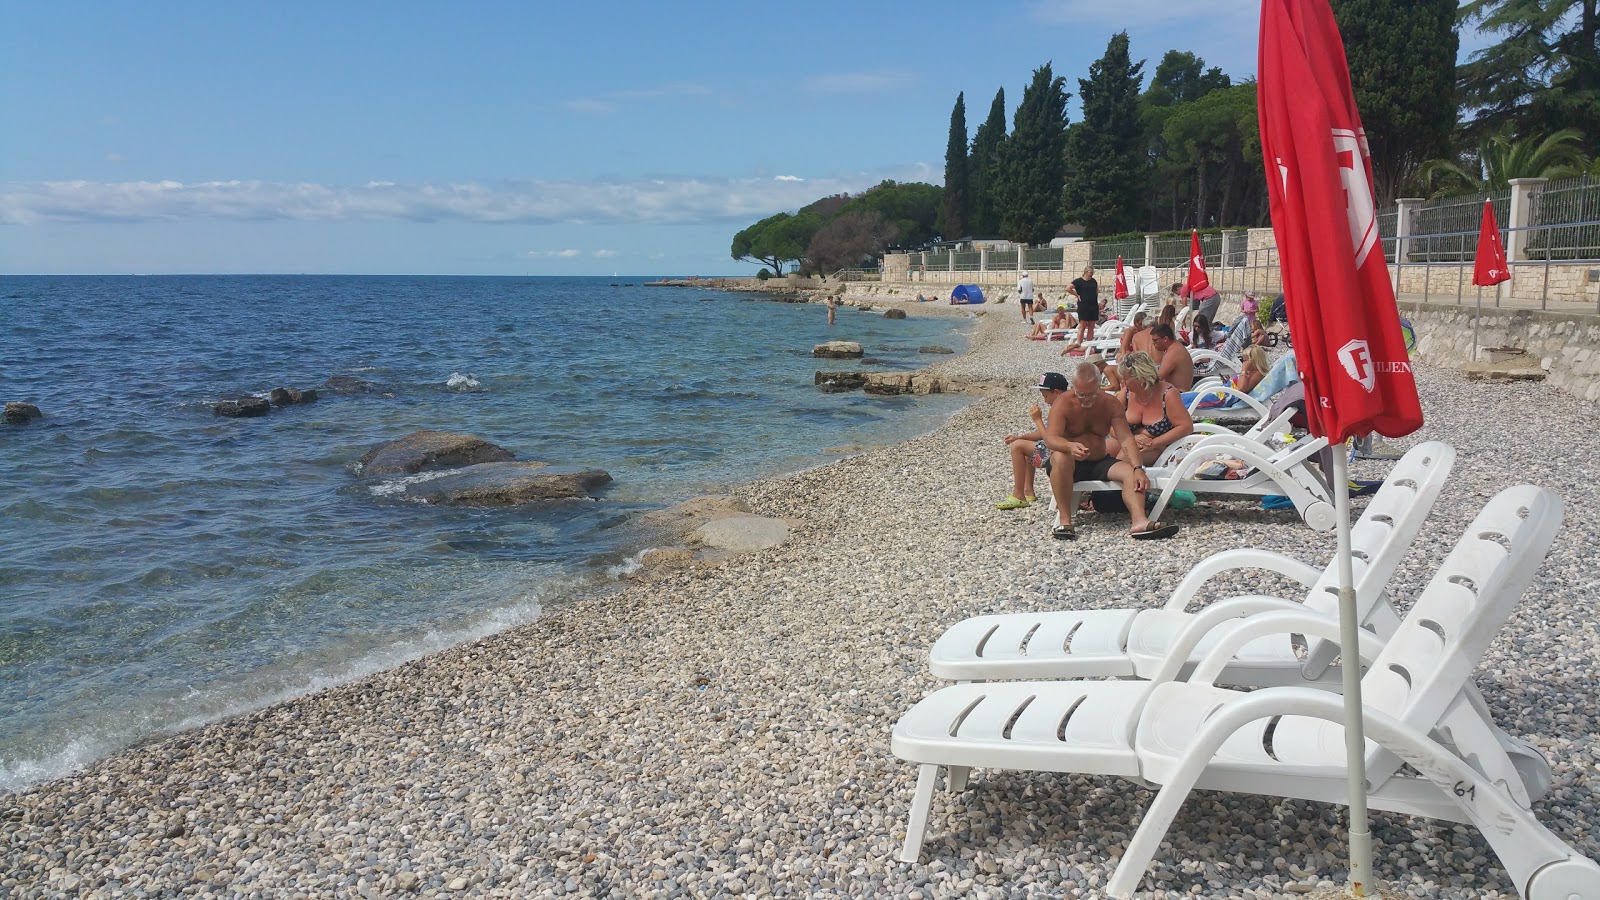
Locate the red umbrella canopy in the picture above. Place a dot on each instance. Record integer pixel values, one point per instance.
(1198, 280)
(1121, 290)
(1489, 265)
(1347, 338)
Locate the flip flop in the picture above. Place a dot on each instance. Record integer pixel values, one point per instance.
(1155, 531)
(1064, 533)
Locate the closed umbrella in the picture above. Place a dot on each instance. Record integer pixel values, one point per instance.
(1348, 343)
(1488, 264)
(1120, 291)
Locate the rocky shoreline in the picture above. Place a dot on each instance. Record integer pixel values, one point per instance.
(723, 730)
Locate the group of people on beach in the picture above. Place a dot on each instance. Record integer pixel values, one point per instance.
(1108, 422)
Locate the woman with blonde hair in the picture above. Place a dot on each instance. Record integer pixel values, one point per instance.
(1154, 409)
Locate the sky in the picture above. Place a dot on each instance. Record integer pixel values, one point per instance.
(502, 138)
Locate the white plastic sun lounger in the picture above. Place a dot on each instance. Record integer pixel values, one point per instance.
(1421, 710)
(1122, 643)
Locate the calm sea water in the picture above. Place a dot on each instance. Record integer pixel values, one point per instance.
(161, 567)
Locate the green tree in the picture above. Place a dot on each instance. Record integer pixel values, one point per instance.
(957, 194)
(1500, 158)
(981, 164)
(851, 239)
(1033, 162)
(911, 209)
(1106, 151)
(1179, 79)
(1217, 139)
(1543, 75)
(1402, 56)
(776, 240)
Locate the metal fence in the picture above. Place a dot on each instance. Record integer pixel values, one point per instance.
(1106, 253)
(1043, 258)
(968, 260)
(1174, 251)
(1448, 217)
(1564, 215)
(1004, 261)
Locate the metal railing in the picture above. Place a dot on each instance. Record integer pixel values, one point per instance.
(1106, 253)
(1042, 258)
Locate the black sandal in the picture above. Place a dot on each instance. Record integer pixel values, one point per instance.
(1064, 533)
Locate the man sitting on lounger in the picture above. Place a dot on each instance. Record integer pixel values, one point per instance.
(1075, 434)
(1177, 366)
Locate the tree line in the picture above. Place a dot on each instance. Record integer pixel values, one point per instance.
(1184, 150)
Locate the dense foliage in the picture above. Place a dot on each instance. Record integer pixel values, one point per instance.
(1033, 162)
(850, 228)
(1105, 151)
(1541, 76)
(982, 163)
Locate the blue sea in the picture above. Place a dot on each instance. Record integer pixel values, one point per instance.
(161, 567)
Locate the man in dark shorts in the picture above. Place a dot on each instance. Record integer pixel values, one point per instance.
(1087, 290)
(1080, 421)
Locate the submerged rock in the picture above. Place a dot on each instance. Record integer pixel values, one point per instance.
(506, 484)
(349, 384)
(21, 413)
(425, 450)
(894, 314)
(839, 382)
(288, 396)
(934, 349)
(244, 408)
(742, 534)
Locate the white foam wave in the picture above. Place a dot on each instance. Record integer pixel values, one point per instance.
(463, 384)
(397, 486)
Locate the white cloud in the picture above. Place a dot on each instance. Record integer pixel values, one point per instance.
(858, 82)
(788, 178)
(606, 254)
(553, 254)
(608, 102)
(680, 200)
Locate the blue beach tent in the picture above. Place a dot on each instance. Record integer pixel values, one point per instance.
(966, 293)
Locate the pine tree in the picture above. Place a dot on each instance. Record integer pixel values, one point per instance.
(957, 193)
(1033, 162)
(1542, 76)
(981, 164)
(1402, 57)
(1106, 149)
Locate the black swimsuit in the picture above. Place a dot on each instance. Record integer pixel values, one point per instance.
(1154, 429)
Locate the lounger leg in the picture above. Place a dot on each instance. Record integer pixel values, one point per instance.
(956, 777)
(1147, 840)
(917, 827)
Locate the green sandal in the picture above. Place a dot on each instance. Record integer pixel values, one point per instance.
(1011, 503)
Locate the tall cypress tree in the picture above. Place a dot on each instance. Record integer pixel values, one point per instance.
(1033, 162)
(1106, 149)
(981, 163)
(1402, 66)
(957, 193)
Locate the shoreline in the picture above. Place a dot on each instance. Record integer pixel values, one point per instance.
(725, 730)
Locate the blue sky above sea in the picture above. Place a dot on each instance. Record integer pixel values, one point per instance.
(501, 138)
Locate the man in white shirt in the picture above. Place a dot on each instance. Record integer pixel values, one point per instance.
(1025, 293)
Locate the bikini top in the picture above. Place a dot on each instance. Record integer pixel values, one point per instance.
(1154, 429)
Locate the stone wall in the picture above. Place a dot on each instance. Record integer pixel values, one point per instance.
(1565, 347)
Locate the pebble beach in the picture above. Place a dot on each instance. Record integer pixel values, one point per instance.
(724, 731)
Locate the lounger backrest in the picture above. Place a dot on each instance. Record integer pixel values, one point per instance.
(1429, 659)
(1380, 539)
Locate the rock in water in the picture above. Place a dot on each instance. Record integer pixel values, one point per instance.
(839, 382)
(246, 408)
(22, 413)
(837, 350)
(742, 534)
(425, 450)
(288, 396)
(894, 314)
(934, 349)
(506, 484)
(349, 384)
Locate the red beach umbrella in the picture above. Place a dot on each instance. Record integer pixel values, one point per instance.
(1198, 280)
(1120, 291)
(1489, 264)
(1347, 338)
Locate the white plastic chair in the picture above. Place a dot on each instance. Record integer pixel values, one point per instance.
(1421, 710)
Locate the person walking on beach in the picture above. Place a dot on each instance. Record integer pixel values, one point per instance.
(1087, 290)
(833, 308)
(1080, 422)
(1027, 450)
(1025, 297)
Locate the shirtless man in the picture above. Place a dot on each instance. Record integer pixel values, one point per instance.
(1177, 366)
(1080, 421)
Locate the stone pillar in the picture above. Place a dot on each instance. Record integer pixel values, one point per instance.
(1523, 190)
(922, 270)
(950, 260)
(1405, 210)
(1149, 250)
(983, 259)
(1022, 250)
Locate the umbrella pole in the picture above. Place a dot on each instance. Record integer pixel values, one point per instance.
(1355, 741)
(1476, 315)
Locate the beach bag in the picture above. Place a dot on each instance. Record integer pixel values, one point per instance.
(1108, 502)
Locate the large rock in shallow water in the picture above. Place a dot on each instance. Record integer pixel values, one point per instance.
(21, 413)
(506, 484)
(742, 534)
(425, 450)
(246, 408)
(288, 396)
(837, 350)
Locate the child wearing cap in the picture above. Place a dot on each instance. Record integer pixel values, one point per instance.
(1027, 450)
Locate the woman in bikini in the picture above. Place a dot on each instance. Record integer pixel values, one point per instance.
(1155, 410)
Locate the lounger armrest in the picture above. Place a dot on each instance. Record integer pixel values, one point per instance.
(1233, 560)
(1216, 614)
(1305, 622)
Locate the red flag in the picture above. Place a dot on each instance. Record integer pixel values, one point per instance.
(1489, 266)
(1347, 339)
(1121, 290)
(1198, 282)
